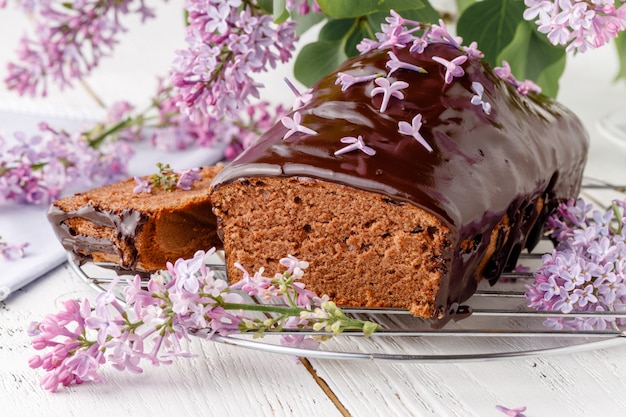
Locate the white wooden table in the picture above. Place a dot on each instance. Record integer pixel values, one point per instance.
(230, 381)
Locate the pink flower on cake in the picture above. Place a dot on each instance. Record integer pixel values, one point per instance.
(477, 99)
(395, 64)
(388, 90)
(301, 98)
(355, 144)
(347, 80)
(413, 129)
(453, 68)
(293, 124)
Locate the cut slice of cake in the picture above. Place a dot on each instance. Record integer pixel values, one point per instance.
(138, 231)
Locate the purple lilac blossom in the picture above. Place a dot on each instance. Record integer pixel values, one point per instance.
(512, 412)
(12, 251)
(578, 25)
(69, 41)
(157, 319)
(453, 68)
(477, 99)
(293, 124)
(348, 80)
(586, 270)
(522, 87)
(388, 90)
(226, 44)
(355, 144)
(395, 64)
(40, 168)
(413, 129)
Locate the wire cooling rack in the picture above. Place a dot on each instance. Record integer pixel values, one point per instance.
(500, 327)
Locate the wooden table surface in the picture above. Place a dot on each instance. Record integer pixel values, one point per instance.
(231, 381)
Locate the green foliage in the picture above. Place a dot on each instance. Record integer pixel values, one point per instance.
(356, 8)
(497, 26)
(349, 22)
(318, 59)
(492, 24)
(620, 45)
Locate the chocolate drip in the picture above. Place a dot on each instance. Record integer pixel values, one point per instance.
(483, 167)
(126, 224)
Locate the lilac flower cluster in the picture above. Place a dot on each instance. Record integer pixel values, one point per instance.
(40, 168)
(168, 179)
(173, 130)
(12, 251)
(587, 269)
(227, 40)
(577, 24)
(159, 317)
(70, 38)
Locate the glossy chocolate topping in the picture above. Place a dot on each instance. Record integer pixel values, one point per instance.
(482, 167)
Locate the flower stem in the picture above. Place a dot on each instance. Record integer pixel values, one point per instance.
(266, 308)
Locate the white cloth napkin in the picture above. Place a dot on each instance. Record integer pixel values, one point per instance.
(26, 223)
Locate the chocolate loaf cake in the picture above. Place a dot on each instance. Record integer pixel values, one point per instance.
(404, 178)
(137, 231)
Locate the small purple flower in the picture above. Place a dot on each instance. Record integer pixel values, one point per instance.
(473, 51)
(186, 178)
(143, 186)
(294, 265)
(453, 68)
(388, 90)
(512, 412)
(12, 251)
(353, 145)
(528, 86)
(301, 98)
(293, 124)
(185, 270)
(477, 99)
(347, 80)
(440, 33)
(586, 295)
(413, 129)
(395, 64)
(419, 44)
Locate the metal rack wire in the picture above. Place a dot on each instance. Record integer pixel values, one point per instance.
(500, 326)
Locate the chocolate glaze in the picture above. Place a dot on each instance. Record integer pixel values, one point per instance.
(518, 161)
(127, 223)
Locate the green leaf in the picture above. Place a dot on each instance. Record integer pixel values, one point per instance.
(463, 4)
(279, 11)
(350, 31)
(317, 60)
(305, 22)
(266, 5)
(531, 57)
(356, 8)
(360, 31)
(336, 29)
(620, 45)
(491, 23)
